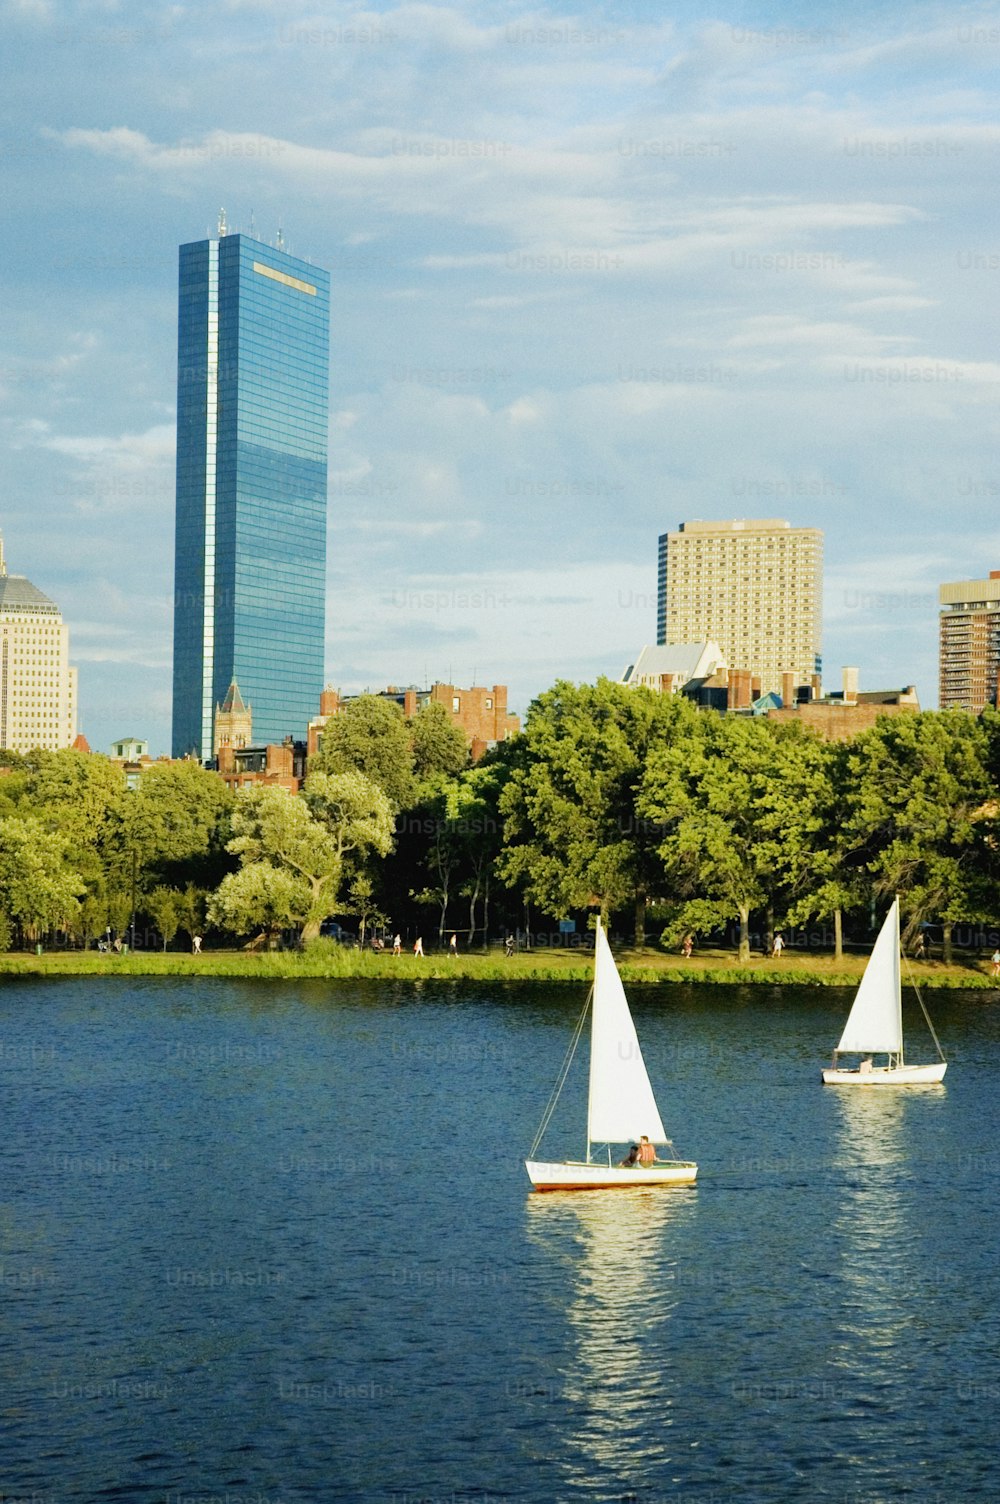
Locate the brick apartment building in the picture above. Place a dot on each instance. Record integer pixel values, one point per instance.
(481, 713)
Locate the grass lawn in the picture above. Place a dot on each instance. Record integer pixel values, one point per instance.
(650, 965)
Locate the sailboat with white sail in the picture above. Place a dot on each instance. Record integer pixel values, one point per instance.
(875, 1023)
(621, 1108)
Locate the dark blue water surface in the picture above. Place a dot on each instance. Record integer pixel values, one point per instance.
(274, 1242)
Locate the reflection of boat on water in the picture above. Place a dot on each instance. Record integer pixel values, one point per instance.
(620, 1260)
(614, 1266)
(875, 1023)
(620, 1106)
(872, 1133)
(877, 1246)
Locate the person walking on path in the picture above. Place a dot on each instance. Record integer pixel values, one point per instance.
(418, 946)
(453, 946)
(778, 946)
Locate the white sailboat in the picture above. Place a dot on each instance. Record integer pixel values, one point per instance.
(875, 1023)
(621, 1108)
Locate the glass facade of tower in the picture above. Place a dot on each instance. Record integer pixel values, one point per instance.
(250, 560)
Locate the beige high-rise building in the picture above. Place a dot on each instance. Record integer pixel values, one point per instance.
(37, 685)
(969, 657)
(754, 586)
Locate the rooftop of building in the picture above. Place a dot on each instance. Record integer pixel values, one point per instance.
(234, 703)
(17, 593)
(970, 592)
(851, 695)
(742, 525)
(686, 660)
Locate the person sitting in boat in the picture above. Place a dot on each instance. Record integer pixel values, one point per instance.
(647, 1151)
(631, 1159)
(865, 1065)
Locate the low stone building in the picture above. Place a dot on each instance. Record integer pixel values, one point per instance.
(281, 766)
(847, 712)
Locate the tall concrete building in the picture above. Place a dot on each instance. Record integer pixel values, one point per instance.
(969, 657)
(37, 685)
(250, 541)
(755, 587)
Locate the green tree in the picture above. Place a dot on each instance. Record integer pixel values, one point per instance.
(920, 815)
(439, 746)
(370, 735)
(192, 905)
(443, 849)
(574, 836)
(736, 806)
(465, 839)
(477, 809)
(354, 811)
(176, 823)
(39, 889)
(91, 918)
(312, 839)
(260, 897)
(361, 901)
(826, 875)
(82, 795)
(360, 821)
(164, 909)
(118, 904)
(274, 832)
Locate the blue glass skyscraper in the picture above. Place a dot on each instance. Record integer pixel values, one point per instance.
(250, 546)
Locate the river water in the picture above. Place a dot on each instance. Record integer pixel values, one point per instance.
(274, 1242)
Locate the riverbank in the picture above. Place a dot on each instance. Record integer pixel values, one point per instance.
(637, 967)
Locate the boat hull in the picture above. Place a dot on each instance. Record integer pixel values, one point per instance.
(898, 1075)
(548, 1176)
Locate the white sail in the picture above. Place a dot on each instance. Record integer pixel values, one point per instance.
(621, 1105)
(875, 1024)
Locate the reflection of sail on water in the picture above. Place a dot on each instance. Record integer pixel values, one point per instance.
(879, 1253)
(618, 1287)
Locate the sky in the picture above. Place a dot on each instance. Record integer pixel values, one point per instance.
(596, 270)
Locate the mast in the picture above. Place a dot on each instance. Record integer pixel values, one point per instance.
(899, 981)
(593, 1008)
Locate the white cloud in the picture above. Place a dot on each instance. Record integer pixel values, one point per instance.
(590, 276)
(126, 451)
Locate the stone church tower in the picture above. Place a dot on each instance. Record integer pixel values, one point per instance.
(232, 724)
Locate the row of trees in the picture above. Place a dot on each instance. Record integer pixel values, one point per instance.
(622, 800)
(612, 799)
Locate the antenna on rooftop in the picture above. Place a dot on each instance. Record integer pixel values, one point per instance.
(281, 239)
(222, 223)
(253, 232)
